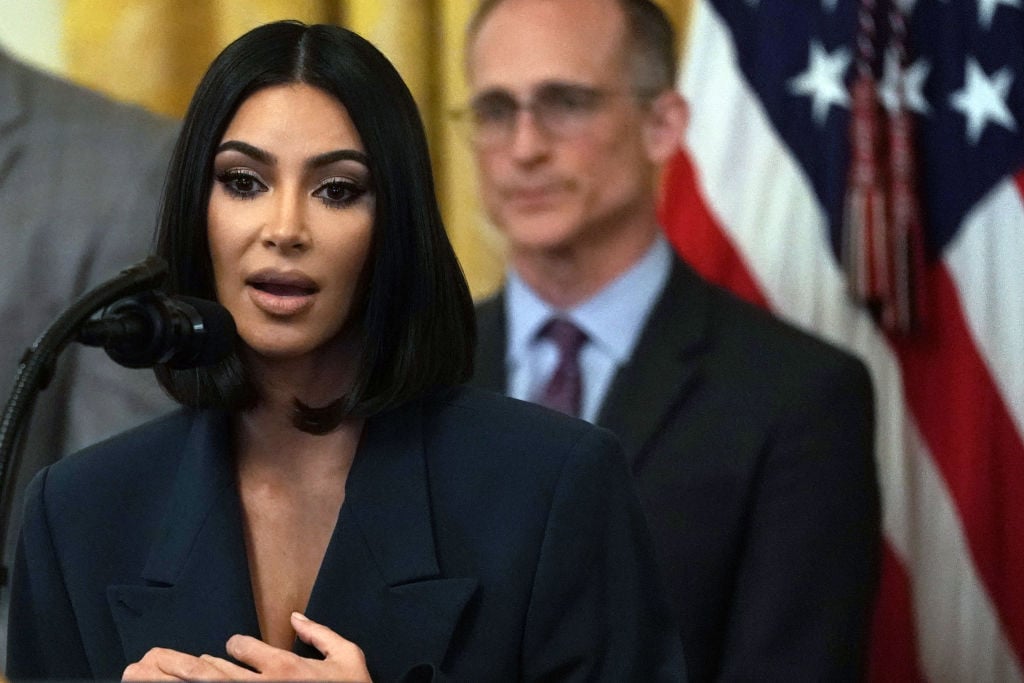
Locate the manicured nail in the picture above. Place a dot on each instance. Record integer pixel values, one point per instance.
(299, 616)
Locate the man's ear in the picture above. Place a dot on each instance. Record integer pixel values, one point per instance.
(667, 117)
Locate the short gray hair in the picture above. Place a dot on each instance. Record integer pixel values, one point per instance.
(650, 43)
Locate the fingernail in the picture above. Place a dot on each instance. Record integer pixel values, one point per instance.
(299, 616)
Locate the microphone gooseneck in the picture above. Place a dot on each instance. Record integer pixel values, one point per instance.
(153, 328)
(36, 369)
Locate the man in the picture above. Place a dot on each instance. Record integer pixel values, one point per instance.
(751, 442)
(80, 181)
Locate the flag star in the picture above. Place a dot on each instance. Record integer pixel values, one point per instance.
(823, 80)
(987, 9)
(909, 84)
(983, 99)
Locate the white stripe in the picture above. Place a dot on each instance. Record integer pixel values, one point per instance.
(781, 232)
(958, 632)
(986, 260)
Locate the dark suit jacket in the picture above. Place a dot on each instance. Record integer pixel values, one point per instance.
(480, 539)
(752, 445)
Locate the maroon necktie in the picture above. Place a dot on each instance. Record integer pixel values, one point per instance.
(564, 390)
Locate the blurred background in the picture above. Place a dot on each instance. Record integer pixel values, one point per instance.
(153, 53)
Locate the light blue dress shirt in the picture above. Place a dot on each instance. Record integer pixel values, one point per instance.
(612, 319)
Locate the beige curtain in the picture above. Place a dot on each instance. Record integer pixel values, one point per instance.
(153, 52)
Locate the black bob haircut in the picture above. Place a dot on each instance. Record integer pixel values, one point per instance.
(416, 318)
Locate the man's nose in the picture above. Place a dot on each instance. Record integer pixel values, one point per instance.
(529, 140)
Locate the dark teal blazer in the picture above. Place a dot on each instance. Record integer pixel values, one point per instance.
(481, 539)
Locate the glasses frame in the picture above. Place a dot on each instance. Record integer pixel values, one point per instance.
(580, 103)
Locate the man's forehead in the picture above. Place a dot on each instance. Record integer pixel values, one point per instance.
(525, 43)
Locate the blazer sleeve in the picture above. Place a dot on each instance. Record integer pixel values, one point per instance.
(809, 569)
(43, 640)
(597, 610)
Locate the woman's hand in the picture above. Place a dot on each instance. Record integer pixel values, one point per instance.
(343, 660)
(162, 664)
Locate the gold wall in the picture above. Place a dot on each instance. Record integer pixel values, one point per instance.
(153, 52)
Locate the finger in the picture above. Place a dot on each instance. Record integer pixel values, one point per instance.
(138, 671)
(161, 664)
(229, 668)
(255, 652)
(322, 638)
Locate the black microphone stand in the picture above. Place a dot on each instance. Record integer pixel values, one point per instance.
(36, 369)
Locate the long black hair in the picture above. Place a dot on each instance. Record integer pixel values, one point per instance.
(417, 325)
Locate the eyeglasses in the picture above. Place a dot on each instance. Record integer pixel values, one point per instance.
(559, 110)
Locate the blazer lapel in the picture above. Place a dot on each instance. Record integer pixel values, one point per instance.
(380, 584)
(489, 371)
(198, 591)
(662, 369)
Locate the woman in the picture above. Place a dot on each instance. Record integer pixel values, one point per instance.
(331, 481)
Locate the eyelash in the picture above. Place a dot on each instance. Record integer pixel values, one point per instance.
(352, 191)
(228, 180)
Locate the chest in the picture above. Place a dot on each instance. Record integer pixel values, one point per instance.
(286, 538)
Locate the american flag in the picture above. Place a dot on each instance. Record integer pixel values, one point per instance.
(756, 203)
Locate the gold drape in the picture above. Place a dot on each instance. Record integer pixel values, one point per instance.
(153, 52)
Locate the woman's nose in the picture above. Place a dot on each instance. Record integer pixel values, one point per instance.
(287, 229)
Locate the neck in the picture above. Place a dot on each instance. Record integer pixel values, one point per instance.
(569, 274)
(317, 378)
(269, 447)
(266, 434)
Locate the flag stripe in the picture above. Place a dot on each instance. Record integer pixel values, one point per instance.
(781, 234)
(959, 635)
(986, 261)
(975, 445)
(709, 249)
(894, 616)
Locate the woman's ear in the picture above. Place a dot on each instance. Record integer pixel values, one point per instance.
(667, 117)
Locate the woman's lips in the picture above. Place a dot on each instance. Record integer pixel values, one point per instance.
(281, 294)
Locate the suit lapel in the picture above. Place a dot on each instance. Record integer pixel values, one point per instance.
(640, 397)
(198, 590)
(380, 584)
(492, 331)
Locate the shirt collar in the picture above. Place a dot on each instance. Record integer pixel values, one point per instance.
(612, 318)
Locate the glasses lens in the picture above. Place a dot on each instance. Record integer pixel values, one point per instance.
(560, 110)
(564, 109)
(493, 116)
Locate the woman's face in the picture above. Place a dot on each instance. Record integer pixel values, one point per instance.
(290, 219)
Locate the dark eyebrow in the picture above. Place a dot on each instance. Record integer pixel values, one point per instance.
(248, 150)
(315, 162)
(552, 84)
(338, 155)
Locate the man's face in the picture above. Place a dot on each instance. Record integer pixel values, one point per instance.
(576, 167)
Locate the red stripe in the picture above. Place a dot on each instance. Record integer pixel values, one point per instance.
(973, 441)
(893, 656)
(1019, 179)
(695, 233)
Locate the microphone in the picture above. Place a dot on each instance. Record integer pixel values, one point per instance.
(153, 328)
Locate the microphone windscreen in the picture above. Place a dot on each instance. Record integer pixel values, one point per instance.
(218, 336)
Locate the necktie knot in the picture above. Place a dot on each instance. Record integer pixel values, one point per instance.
(564, 390)
(567, 337)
